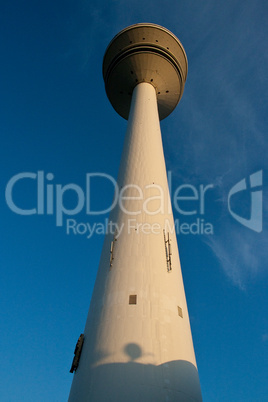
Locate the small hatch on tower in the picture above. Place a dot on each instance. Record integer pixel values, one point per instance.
(132, 299)
(180, 311)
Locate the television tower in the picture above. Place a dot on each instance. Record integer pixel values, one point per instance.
(137, 343)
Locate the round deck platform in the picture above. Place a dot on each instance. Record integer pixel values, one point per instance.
(145, 53)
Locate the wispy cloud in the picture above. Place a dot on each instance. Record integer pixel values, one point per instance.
(221, 128)
(265, 337)
(241, 254)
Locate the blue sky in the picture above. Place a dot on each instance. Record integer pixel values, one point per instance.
(56, 118)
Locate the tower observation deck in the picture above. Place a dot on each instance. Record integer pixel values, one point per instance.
(145, 53)
(137, 343)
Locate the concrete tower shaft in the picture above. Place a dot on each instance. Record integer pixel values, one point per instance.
(137, 339)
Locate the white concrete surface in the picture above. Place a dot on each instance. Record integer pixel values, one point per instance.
(141, 352)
